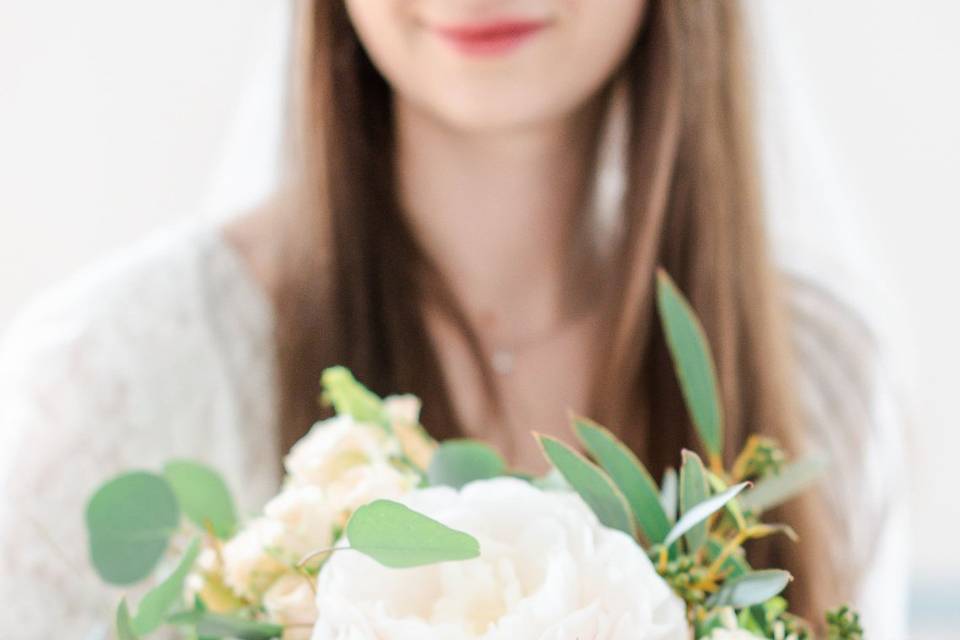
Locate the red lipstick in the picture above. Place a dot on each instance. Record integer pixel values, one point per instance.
(490, 38)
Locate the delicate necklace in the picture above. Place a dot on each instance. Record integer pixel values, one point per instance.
(503, 356)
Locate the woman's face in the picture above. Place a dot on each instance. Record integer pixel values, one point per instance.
(493, 64)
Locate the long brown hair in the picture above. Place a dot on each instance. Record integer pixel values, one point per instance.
(351, 287)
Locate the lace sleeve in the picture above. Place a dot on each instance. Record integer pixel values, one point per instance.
(163, 352)
(64, 414)
(852, 406)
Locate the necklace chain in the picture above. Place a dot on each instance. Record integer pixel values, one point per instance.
(503, 357)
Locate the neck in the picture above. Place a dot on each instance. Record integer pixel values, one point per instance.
(494, 211)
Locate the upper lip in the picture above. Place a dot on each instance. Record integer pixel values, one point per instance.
(490, 29)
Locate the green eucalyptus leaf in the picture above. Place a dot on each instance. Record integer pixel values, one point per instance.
(397, 536)
(214, 625)
(702, 511)
(693, 491)
(459, 462)
(159, 601)
(693, 362)
(594, 486)
(351, 398)
(749, 589)
(790, 482)
(670, 493)
(203, 496)
(124, 625)
(129, 523)
(630, 476)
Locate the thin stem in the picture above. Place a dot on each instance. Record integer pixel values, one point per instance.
(315, 554)
(740, 465)
(730, 547)
(716, 464)
(302, 572)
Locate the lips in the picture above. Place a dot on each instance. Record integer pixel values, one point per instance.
(491, 38)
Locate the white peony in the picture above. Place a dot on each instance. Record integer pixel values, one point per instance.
(290, 602)
(548, 571)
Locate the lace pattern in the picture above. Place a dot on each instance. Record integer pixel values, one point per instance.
(162, 353)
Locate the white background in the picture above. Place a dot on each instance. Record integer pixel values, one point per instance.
(114, 116)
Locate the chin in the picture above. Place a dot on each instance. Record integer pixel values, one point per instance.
(491, 111)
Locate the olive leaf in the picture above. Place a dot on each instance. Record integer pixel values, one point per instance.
(702, 511)
(693, 491)
(693, 362)
(630, 476)
(790, 482)
(669, 493)
(750, 588)
(592, 483)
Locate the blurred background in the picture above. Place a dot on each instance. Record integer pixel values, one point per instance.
(119, 118)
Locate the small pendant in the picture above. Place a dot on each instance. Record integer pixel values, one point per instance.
(502, 362)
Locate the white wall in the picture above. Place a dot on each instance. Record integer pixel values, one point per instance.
(113, 114)
(884, 82)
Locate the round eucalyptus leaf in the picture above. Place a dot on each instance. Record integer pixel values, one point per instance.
(396, 536)
(203, 495)
(459, 462)
(129, 523)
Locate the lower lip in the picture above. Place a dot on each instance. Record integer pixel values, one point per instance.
(491, 39)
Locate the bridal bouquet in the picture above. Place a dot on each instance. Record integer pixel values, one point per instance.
(380, 532)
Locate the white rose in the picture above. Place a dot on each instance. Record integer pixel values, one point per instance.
(249, 566)
(363, 484)
(548, 571)
(296, 522)
(402, 410)
(335, 446)
(351, 461)
(290, 602)
(404, 415)
(307, 518)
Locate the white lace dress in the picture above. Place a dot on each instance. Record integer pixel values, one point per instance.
(167, 352)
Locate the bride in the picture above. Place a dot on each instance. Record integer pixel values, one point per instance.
(475, 197)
